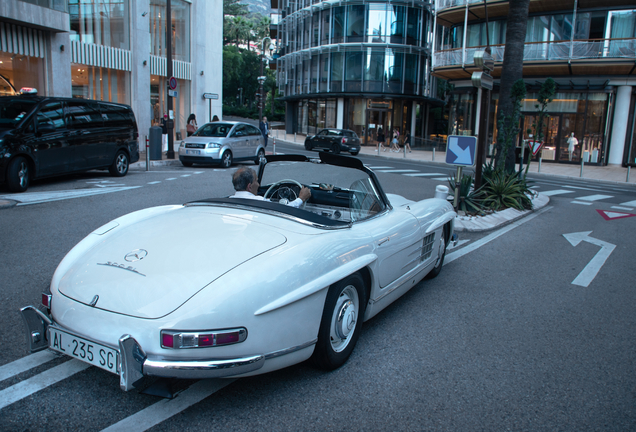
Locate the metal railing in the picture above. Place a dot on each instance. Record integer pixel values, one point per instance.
(548, 51)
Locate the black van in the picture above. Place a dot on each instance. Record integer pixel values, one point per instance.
(49, 136)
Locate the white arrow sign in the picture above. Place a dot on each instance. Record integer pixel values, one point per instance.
(463, 156)
(590, 271)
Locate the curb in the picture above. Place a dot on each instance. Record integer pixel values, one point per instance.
(4, 203)
(496, 220)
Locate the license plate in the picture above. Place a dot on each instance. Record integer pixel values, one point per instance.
(84, 350)
(193, 152)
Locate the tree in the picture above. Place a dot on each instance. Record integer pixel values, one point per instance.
(512, 71)
(234, 8)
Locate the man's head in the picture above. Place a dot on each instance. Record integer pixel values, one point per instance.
(264, 119)
(245, 179)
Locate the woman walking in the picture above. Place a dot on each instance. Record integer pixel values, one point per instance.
(395, 147)
(192, 124)
(380, 139)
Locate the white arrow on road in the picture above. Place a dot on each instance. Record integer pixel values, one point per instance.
(590, 271)
(463, 156)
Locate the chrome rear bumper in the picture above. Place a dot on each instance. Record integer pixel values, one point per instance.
(133, 362)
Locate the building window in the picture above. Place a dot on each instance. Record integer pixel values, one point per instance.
(92, 82)
(180, 14)
(100, 22)
(17, 71)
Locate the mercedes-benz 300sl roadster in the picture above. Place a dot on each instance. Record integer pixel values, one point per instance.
(235, 286)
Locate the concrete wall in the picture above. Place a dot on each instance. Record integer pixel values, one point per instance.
(58, 65)
(35, 16)
(140, 74)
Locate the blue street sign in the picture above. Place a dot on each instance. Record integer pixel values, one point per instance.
(461, 150)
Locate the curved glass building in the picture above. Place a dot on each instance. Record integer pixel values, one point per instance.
(355, 65)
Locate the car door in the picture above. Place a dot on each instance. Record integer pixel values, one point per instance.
(256, 138)
(239, 141)
(50, 140)
(89, 139)
(321, 140)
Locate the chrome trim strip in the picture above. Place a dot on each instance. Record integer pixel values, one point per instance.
(290, 349)
(37, 324)
(199, 369)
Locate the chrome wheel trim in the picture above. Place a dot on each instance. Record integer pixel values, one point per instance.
(344, 318)
(23, 174)
(121, 164)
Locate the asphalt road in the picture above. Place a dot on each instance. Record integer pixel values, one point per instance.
(501, 340)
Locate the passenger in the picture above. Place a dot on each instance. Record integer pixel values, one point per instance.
(246, 185)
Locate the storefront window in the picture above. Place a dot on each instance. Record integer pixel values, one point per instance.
(100, 22)
(311, 117)
(331, 114)
(356, 116)
(91, 82)
(17, 71)
(462, 114)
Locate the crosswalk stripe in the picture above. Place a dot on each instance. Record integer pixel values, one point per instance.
(556, 192)
(623, 208)
(28, 198)
(629, 204)
(397, 171)
(594, 197)
(41, 381)
(578, 187)
(379, 167)
(424, 174)
(443, 179)
(581, 202)
(26, 363)
(154, 182)
(164, 409)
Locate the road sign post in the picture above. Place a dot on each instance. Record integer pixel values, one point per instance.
(461, 152)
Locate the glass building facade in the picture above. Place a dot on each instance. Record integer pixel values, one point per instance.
(588, 51)
(355, 66)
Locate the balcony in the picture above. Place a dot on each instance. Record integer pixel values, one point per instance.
(585, 57)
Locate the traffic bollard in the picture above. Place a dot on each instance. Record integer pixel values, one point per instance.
(433, 154)
(274, 149)
(147, 153)
(294, 136)
(540, 159)
(582, 163)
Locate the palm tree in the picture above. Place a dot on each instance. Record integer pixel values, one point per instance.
(512, 69)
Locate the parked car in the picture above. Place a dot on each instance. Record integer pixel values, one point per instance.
(265, 287)
(222, 143)
(51, 136)
(335, 141)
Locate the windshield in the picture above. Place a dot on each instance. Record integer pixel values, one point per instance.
(12, 110)
(218, 130)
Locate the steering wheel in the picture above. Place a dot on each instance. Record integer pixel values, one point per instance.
(276, 187)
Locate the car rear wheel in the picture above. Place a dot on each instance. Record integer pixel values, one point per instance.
(307, 145)
(441, 253)
(341, 323)
(18, 175)
(335, 149)
(226, 160)
(119, 168)
(186, 164)
(259, 156)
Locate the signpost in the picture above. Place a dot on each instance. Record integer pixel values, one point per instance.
(460, 152)
(209, 97)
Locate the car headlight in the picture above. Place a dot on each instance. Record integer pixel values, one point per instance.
(202, 339)
(214, 145)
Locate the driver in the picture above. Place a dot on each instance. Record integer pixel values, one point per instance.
(246, 185)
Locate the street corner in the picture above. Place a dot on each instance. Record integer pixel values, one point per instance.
(7, 203)
(468, 223)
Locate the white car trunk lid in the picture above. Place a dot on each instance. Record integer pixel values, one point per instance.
(179, 254)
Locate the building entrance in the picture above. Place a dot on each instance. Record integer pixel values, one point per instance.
(378, 121)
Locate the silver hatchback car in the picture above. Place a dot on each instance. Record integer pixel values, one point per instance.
(223, 143)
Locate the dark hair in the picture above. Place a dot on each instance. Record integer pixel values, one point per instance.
(242, 178)
(215, 118)
(191, 117)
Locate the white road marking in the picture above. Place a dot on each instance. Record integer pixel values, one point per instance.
(592, 268)
(578, 187)
(41, 197)
(41, 381)
(379, 167)
(397, 171)
(459, 244)
(171, 178)
(424, 174)
(26, 363)
(185, 175)
(154, 182)
(580, 202)
(623, 208)
(556, 192)
(164, 409)
(198, 172)
(629, 204)
(442, 179)
(479, 243)
(594, 197)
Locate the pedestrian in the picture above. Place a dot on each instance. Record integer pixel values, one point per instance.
(192, 124)
(164, 133)
(264, 127)
(395, 147)
(380, 138)
(407, 141)
(215, 118)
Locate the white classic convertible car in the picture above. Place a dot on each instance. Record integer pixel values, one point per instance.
(239, 287)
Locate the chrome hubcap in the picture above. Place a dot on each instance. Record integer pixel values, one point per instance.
(121, 163)
(344, 319)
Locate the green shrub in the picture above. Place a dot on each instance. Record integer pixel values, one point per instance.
(470, 200)
(503, 190)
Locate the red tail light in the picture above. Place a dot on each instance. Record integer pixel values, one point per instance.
(207, 338)
(46, 300)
